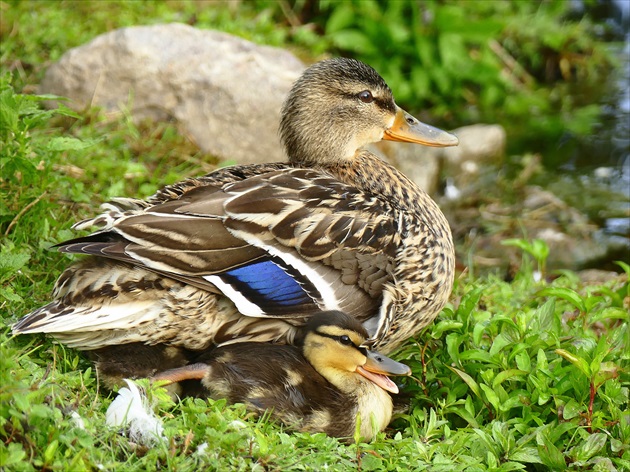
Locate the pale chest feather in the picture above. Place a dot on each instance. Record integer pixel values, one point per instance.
(374, 408)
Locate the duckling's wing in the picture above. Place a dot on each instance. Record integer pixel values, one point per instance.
(263, 376)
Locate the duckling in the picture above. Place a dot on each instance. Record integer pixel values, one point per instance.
(248, 252)
(326, 382)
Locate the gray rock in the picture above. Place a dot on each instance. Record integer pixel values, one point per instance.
(225, 92)
(574, 242)
(479, 145)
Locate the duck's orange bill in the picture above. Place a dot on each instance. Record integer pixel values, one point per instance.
(378, 367)
(408, 129)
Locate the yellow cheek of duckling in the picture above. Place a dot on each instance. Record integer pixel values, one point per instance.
(330, 354)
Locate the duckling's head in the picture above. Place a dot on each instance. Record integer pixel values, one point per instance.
(338, 106)
(332, 343)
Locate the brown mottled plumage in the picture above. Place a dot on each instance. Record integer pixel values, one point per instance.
(248, 253)
(319, 385)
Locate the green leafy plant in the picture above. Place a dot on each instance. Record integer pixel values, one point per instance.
(537, 248)
(525, 376)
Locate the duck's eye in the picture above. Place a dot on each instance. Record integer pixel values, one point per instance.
(366, 96)
(345, 340)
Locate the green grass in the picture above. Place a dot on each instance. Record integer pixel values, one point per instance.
(513, 375)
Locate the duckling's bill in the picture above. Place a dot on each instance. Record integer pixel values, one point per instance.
(378, 367)
(408, 129)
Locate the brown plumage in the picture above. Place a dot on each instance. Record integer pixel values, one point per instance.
(322, 384)
(247, 253)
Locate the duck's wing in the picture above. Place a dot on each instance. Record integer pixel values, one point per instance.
(281, 244)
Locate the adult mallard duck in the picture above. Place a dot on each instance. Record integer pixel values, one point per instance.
(247, 253)
(321, 384)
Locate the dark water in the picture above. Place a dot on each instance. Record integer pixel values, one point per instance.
(600, 163)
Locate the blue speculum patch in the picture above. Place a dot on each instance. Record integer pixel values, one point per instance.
(265, 283)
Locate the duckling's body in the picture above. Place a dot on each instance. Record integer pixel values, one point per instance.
(314, 386)
(247, 253)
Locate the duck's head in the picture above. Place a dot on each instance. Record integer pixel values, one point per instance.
(332, 342)
(338, 106)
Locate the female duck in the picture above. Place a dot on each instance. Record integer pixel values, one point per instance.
(249, 252)
(322, 384)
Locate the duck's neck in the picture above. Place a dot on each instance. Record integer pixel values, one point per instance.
(374, 176)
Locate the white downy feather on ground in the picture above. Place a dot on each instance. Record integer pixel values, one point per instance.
(130, 409)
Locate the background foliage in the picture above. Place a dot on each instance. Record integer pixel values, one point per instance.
(522, 64)
(530, 374)
(540, 68)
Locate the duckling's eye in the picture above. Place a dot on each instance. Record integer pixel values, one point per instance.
(345, 340)
(366, 96)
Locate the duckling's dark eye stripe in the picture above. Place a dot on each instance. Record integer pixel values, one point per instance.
(338, 338)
